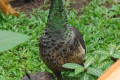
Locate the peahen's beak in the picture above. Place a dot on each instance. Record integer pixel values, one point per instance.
(5, 7)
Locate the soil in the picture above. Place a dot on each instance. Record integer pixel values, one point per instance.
(28, 7)
(77, 4)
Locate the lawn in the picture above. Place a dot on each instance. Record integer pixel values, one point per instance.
(98, 24)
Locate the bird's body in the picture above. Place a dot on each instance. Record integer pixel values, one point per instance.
(55, 52)
(60, 43)
(39, 76)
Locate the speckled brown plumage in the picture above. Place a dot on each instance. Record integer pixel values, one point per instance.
(60, 43)
(55, 52)
(39, 76)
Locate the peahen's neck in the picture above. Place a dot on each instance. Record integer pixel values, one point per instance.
(57, 19)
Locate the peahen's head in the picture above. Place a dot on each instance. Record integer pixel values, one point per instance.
(27, 77)
(38, 76)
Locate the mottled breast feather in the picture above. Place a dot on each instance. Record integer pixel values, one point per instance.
(55, 53)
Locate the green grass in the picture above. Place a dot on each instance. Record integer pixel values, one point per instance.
(98, 24)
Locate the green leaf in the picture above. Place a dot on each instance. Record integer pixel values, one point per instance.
(72, 74)
(112, 49)
(9, 39)
(91, 77)
(95, 71)
(105, 67)
(90, 60)
(102, 52)
(79, 70)
(104, 64)
(102, 58)
(115, 7)
(85, 77)
(118, 47)
(71, 65)
(116, 54)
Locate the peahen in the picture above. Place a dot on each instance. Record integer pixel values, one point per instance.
(60, 43)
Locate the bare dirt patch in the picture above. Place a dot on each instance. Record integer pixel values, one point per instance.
(77, 4)
(28, 7)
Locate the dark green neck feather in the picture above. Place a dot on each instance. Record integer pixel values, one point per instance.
(57, 18)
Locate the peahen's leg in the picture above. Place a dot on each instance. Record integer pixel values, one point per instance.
(58, 75)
